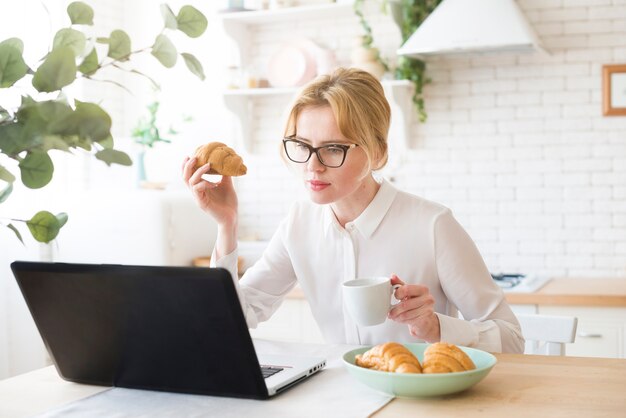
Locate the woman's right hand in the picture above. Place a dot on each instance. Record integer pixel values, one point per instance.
(217, 199)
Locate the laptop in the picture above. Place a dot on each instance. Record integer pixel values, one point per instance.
(175, 329)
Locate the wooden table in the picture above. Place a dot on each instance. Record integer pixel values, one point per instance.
(518, 386)
(531, 386)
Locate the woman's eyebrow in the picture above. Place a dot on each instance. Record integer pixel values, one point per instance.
(329, 141)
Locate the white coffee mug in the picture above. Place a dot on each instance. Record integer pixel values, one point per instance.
(368, 300)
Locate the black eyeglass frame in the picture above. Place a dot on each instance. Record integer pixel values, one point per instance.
(315, 150)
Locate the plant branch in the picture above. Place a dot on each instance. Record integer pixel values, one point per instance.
(13, 220)
(112, 82)
(368, 38)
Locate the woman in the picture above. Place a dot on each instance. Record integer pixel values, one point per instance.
(355, 226)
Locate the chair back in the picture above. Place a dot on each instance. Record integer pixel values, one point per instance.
(547, 334)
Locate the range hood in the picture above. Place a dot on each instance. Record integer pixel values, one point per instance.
(472, 26)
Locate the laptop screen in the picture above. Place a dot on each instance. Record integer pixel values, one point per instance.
(178, 329)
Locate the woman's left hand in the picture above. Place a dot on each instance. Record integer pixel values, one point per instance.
(416, 309)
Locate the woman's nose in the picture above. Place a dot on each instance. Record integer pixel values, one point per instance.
(314, 164)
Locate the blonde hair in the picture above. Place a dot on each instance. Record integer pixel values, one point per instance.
(357, 100)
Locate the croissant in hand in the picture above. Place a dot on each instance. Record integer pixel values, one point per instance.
(389, 357)
(224, 160)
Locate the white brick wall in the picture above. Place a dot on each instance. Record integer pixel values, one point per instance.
(515, 144)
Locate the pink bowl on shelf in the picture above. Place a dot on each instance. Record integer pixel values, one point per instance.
(297, 62)
(291, 66)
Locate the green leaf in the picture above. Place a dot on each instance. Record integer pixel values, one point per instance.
(56, 142)
(44, 226)
(56, 72)
(4, 193)
(93, 122)
(70, 38)
(6, 175)
(102, 40)
(194, 65)
(107, 143)
(80, 13)
(12, 65)
(90, 64)
(168, 17)
(17, 233)
(165, 51)
(27, 101)
(119, 45)
(49, 112)
(39, 120)
(111, 156)
(4, 114)
(10, 142)
(191, 21)
(62, 218)
(87, 123)
(14, 42)
(36, 169)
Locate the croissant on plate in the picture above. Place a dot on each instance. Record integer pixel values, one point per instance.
(224, 160)
(445, 358)
(389, 357)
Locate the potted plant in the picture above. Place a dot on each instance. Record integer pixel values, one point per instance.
(408, 15)
(46, 120)
(146, 135)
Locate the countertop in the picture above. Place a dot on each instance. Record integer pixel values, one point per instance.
(564, 291)
(602, 292)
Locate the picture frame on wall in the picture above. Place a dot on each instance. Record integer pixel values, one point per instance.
(614, 90)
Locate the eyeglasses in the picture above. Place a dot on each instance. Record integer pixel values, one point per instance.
(332, 156)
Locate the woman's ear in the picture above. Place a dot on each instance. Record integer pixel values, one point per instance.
(376, 162)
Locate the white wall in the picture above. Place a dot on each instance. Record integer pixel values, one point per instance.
(515, 145)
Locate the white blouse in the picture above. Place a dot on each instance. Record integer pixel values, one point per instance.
(398, 233)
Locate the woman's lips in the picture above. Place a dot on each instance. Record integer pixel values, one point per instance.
(317, 185)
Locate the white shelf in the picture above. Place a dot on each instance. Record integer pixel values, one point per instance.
(238, 25)
(271, 91)
(256, 17)
(398, 92)
(261, 92)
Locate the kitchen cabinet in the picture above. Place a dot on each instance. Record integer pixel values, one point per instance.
(598, 303)
(246, 104)
(601, 332)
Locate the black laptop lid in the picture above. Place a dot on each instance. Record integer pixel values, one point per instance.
(178, 329)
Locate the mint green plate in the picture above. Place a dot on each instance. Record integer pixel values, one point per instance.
(411, 385)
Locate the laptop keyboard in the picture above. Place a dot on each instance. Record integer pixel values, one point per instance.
(269, 371)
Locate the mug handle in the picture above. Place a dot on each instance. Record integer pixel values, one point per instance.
(394, 287)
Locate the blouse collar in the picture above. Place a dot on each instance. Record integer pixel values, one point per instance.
(369, 220)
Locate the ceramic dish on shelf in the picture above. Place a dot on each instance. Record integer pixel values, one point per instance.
(411, 385)
(297, 62)
(291, 66)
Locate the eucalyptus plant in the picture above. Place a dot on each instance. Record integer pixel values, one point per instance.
(40, 124)
(147, 133)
